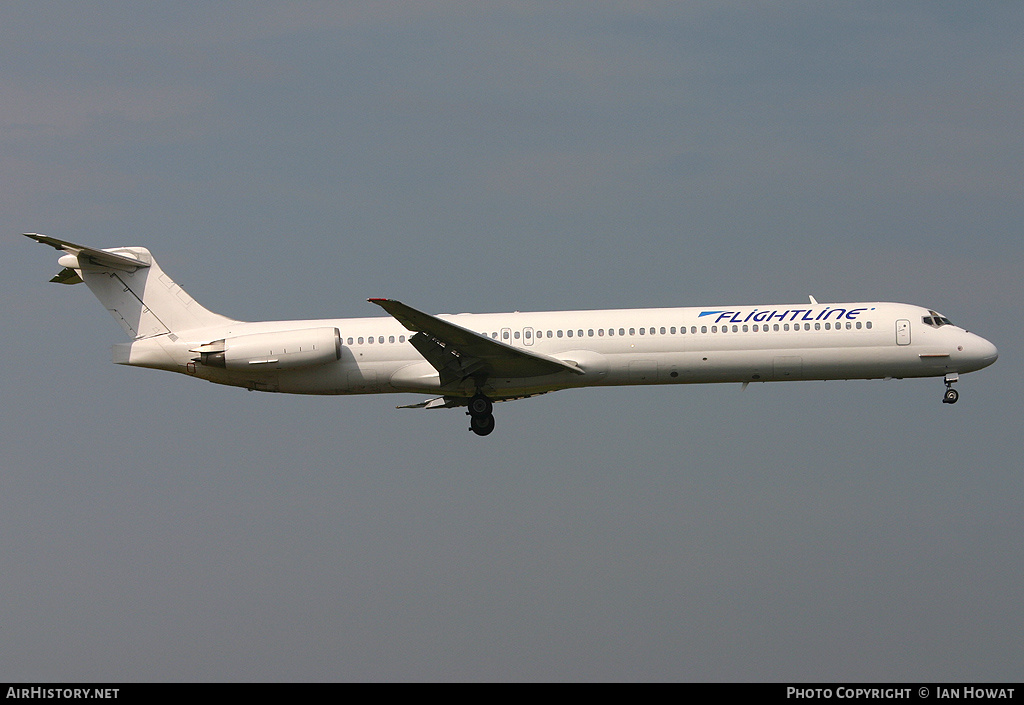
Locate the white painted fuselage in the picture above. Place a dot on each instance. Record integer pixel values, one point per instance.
(473, 360)
(610, 347)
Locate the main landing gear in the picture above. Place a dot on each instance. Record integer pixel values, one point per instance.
(481, 420)
(951, 396)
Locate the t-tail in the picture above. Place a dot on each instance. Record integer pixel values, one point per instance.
(130, 284)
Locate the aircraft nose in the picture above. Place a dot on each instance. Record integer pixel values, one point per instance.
(983, 353)
(989, 354)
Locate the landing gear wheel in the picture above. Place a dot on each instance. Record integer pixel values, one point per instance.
(480, 405)
(481, 425)
(951, 396)
(481, 420)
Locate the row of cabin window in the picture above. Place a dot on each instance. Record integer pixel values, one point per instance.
(850, 325)
(528, 334)
(378, 339)
(736, 328)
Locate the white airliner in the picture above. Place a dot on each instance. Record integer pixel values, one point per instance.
(472, 360)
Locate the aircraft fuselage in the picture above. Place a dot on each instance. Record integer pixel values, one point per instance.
(611, 347)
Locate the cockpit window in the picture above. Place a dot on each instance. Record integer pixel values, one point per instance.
(936, 320)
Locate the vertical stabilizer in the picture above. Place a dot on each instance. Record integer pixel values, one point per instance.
(131, 285)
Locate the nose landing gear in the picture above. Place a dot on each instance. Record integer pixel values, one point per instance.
(481, 420)
(951, 396)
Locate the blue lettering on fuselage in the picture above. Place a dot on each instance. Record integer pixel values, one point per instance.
(808, 314)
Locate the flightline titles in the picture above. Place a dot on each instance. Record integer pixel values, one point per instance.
(965, 692)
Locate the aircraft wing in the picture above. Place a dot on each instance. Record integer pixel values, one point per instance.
(88, 256)
(458, 353)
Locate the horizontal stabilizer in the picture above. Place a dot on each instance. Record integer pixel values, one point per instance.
(88, 256)
(67, 276)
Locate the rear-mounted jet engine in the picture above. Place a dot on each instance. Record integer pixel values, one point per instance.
(283, 350)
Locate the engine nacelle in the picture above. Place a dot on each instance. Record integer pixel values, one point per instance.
(283, 350)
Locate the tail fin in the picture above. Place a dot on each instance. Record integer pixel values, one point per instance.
(130, 284)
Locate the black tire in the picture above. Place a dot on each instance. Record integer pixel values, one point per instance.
(951, 396)
(482, 425)
(480, 406)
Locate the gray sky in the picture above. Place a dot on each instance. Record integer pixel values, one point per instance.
(289, 160)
